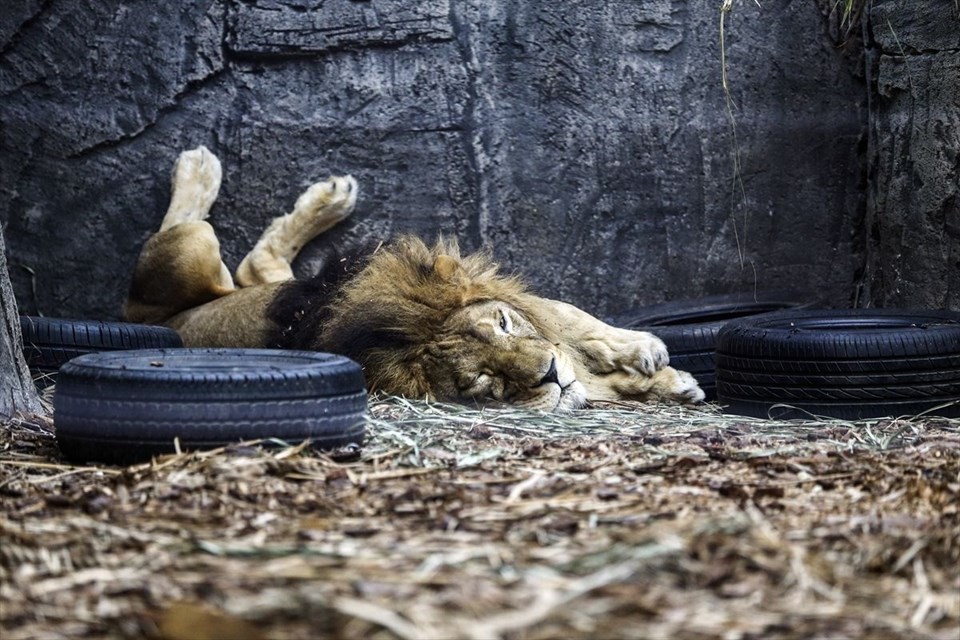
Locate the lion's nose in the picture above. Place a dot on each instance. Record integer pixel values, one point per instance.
(551, 375)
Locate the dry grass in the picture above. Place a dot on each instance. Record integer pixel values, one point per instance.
(621, 521)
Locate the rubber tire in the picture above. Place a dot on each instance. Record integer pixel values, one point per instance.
(689, 328)
(849, 364)
(126, 406)
(49, 343)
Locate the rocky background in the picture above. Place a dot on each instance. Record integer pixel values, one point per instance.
(913, 247)
(587, 142)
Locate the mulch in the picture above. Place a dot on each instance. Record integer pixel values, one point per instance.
(622, 521)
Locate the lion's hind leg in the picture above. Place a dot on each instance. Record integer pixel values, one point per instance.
(319, 208)
(195, 183)
(180, 267)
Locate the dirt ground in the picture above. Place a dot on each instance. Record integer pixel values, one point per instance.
(617, 522)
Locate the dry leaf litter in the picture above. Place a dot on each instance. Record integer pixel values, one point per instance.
(620, 521)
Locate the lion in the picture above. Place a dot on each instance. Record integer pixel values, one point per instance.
(423, 321)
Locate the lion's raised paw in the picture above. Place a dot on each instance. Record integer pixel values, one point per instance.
(195, 184)
(327, 201)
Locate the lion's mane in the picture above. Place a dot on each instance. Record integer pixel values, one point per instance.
(385, 311)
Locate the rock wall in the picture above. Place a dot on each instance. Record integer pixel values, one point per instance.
(913, 257)
(586, 141)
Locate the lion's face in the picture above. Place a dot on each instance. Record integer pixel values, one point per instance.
(490, 351)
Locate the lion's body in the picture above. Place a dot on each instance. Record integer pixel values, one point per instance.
(423, 321)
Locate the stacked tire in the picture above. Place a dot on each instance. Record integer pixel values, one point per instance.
(848, 364)
(49, 343)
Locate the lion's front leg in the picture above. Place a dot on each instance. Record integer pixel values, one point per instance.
(602, 348)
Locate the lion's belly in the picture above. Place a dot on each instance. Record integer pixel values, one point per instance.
(238, 320)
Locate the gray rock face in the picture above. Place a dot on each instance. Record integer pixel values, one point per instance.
(914, 214)
(586, 142)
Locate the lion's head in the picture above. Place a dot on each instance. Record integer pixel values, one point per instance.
(428, 322)
(490, 350)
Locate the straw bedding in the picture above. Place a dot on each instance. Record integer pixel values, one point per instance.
(622, 521)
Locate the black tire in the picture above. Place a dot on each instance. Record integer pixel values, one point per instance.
(49, 343)
(849, 364)
(689, 328)
(126, 406)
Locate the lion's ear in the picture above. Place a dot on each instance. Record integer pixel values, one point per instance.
(446, 266)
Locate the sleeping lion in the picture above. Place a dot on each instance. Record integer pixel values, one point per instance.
(423, 321)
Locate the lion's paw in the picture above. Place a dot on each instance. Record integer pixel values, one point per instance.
(327, 201)
(686, 389)
(646, 354)
(196, 181)
(632, 352)
(665, 384)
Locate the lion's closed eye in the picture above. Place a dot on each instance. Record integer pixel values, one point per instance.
(506, 324)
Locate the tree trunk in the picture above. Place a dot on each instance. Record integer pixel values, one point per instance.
(17, 391)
